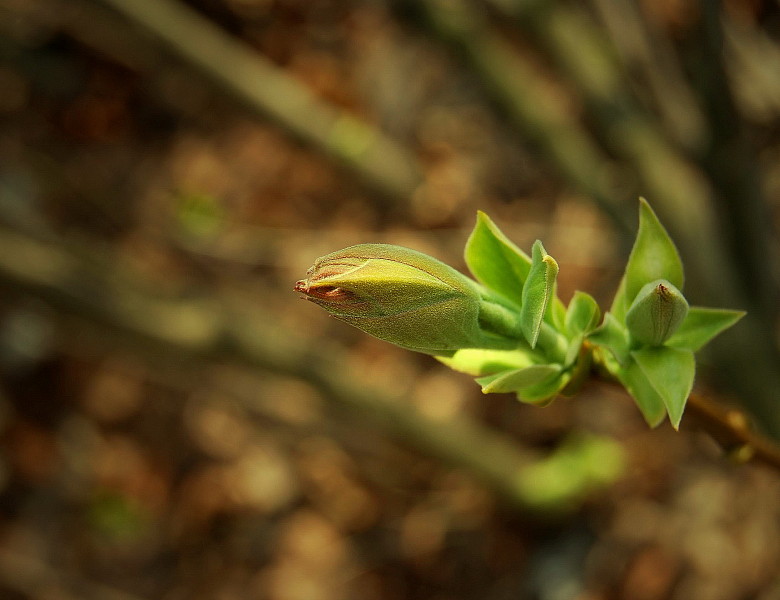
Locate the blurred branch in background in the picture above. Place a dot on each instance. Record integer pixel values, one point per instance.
(181, 332)
(524, 95)
(383, 164)
(646, 55)
(732, 166)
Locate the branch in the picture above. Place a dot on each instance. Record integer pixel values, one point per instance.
(650, 57)
(729, 427)
(524, 96)
(269, 92)
(732, 430)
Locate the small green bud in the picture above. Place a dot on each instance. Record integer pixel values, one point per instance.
(404, 297)
(655, 314)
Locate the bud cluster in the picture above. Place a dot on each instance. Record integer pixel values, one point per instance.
(509, 329)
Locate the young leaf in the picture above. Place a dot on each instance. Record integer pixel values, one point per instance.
(541, 394)
(649, 401)
(513, 381)
(573, 350)
(495, 261)
(582, 315)
(613, 336)
(479, 362)
(556, 312)
(701, 325)
(537, 291)
(653, 256)
(670, 371)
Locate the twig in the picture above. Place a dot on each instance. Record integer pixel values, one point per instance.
(732, 430)
(528, 102)
(728, 426)
(732, 166)
(650, 58)
(268, 91)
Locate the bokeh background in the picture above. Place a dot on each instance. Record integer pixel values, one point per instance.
(176, 424)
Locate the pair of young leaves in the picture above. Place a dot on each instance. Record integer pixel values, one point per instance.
(657, 373)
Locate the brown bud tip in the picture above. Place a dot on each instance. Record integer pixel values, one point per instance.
(328, 293)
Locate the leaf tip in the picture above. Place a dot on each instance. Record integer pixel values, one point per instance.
(675, 420)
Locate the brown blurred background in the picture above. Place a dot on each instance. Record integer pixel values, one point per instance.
(176, 424)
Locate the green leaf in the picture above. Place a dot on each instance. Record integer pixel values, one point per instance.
(573, 350)
(653, 256)
(670, 371)
(514, 381)
(582, 315)
(556, 312)
(579, 465)
(613, 336)
(701, 325)
(478, 361)
(495, 261)
(545, 392)
(537, 291)
(649, 401)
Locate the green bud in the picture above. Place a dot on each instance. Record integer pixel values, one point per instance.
(655, 314)
(404, 297)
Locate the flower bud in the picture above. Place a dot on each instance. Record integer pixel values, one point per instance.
(401, 296)
(655, 314)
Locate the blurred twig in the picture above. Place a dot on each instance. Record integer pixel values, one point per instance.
(519, 89)
(753, 62)
(266, 89)
(647, 56)
(731, 165)
(190, 332)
